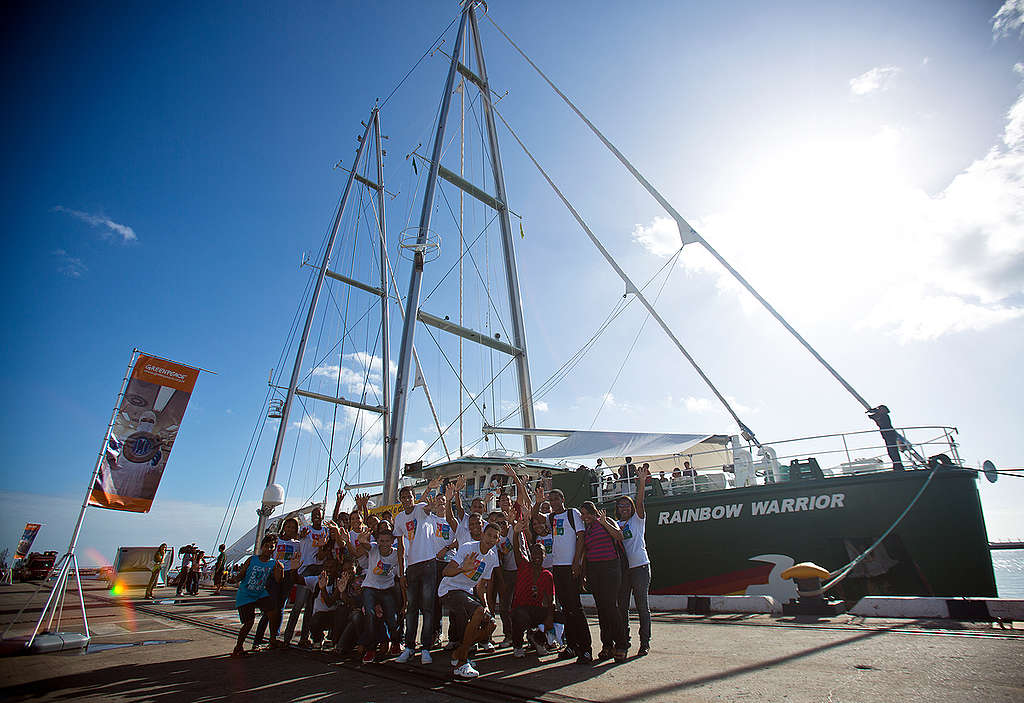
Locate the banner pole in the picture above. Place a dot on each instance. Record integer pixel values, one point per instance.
(69, 557)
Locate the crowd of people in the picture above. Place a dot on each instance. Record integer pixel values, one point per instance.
(380, 586)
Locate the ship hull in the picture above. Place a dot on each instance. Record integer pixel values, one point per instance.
(738, 541)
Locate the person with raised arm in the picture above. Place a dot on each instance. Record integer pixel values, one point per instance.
(567, 553)
(312, 539)
(604, 574)
(533, 601)
(636, 579)
(465, 591)
(252, 592)
(445, 526)
(477, 506)
(378, 597)
(416, 551)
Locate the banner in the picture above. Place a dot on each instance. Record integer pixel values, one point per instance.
(144, 431)
(394, 509)
(27, 538)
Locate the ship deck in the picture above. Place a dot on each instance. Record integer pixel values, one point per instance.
(177, 650)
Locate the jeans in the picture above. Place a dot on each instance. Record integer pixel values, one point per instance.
(523, 618)
(371, 598)
(506, 589)
(421, 590)
(567, 590)
(636, 581)
(604, 578)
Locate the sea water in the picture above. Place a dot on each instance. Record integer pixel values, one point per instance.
(1008, 565)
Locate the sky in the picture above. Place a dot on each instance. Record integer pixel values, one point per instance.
(167, 168)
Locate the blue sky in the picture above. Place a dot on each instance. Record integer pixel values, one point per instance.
(165, 168)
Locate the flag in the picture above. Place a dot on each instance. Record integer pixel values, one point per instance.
(27, 538)
(139, 444)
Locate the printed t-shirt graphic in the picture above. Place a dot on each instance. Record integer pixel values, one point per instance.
(381, 574)
(416, 529)
(484, 566)
(633, 541)
(563, 548)
(286, 549)
(310, 545)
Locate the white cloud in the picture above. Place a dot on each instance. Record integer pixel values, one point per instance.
(351, 381)
(660, 237)
(877, 79)
(829, 228)
(1008, 19)
(70, 266)
(540, 406)
(126, 233)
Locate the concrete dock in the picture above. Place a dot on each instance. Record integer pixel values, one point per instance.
(176, 649)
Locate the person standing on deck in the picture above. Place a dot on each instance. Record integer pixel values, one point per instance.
(636, 579)
(218, 571)
(252, 591)
(567, 557)
(604, 574)
(892, 440)
(416, 553)
(311, 541)
(158, 561)
(289, 555)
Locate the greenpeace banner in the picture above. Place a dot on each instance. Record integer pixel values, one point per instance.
(27, 538)
(143, 433)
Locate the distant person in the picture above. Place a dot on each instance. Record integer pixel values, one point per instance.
(891, 437)
(188, 555)
(252, 591)
(636, 578)
(218, 571)
(688, 470)
(676, 473)
(158, 561)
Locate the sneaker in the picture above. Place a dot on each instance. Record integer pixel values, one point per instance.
(304, 644)
(518, 652)
(605, 654)
(566, 653)
(644, 650)
(395, 650)
(507, 642)
(487, 646)
(466, 671)
(368, 656)
(586, 659)
(425, 658)
(405, 656)
(552, 641)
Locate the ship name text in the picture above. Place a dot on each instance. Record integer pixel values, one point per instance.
(758, 508)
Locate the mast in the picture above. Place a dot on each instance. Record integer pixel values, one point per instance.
(498, 202)
(515, 302)
(385, 352)
(272, 495)
(393, 447)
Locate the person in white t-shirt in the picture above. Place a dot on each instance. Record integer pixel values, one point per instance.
(567, 567)
(445, 526)
(312, 540)
(637, 579)
(476, 507)
(384, 565)
(414, 525)
(465, 591)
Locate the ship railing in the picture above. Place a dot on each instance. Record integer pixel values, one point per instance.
(838, 454)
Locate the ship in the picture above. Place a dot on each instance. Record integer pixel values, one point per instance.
(887, 511)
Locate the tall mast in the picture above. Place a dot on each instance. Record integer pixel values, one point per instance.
(269, 494)
(385, 352)
(515, 303)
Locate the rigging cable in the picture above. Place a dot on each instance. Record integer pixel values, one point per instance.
(630, 286)
(636, 339)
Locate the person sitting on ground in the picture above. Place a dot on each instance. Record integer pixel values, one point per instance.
(349, 619)
(252, 592)
(378, 599)
(464, 590)
(604, 576)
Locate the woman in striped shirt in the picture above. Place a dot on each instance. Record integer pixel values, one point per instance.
(604, 575)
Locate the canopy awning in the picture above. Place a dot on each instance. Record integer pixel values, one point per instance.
(585, 447)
